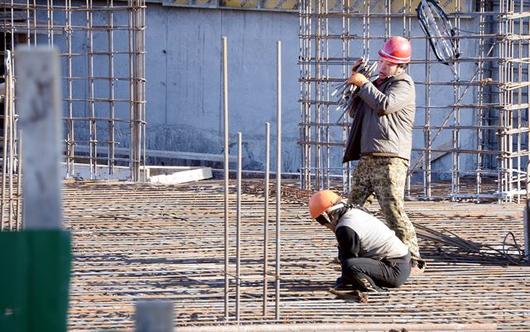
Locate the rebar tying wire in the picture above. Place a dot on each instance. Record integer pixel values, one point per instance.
(347, 91)
(439, 31)
(470, 247)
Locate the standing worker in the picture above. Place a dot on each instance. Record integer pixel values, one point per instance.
(370, 254)
(381, 137)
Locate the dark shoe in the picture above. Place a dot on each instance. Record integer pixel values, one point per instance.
(340, 285)
(417, 266)
(364, 283)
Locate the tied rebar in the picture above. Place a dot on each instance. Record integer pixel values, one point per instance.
(346, 92)
(439, 30)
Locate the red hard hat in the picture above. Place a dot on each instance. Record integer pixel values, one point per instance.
(321, 201)
(396, 50)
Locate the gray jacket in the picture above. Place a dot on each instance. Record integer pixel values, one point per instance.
(382, 119)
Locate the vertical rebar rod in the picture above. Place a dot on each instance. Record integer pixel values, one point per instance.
(278, 172)
(142, 144)
(302, 38)
(318, 96)
(70, 138)
(10, 151)
(518, 80)
(527, 228)
(18, 201)
(345, 44)
(266, 214)
(138, 82)
(455, 178)
(7, 61)
(15, 155)
(480, 98)
(91, 92)
(502, 183)
(130, 46)
(112, 91)
(224, 43)
(238, 226)
(327, 161)
(35, 22)
(306, 89)
(527, 110)
(308, 149)
(427, 124)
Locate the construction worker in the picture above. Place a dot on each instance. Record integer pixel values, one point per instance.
(381, 137)
(370, 253)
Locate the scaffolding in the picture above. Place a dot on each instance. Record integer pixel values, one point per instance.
(102, 46)
(470, 138)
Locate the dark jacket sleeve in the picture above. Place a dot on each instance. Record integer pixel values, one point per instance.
(353, 145)
(396, 97)
(349, 243)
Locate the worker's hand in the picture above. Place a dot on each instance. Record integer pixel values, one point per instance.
(356, 65)
(357, 79)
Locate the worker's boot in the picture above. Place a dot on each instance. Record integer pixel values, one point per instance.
(417, 266)
(364, 283)
(341, 285)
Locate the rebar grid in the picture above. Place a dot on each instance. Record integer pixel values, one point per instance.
(102, 48)
(102, 45)
(167, 243)
(482, 134)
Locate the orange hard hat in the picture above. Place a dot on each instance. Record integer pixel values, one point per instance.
(396, 50)
(321, 201)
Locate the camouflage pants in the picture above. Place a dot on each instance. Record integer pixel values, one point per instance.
(385, 177)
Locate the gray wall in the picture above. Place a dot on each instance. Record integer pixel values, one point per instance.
(184, 82)
(184, 110)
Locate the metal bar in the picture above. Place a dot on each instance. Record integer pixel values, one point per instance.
(266, 215)
(224, 42)
(112, 92)
(278, 171)
(238, 226)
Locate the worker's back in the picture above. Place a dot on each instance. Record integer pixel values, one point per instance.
(377, 240)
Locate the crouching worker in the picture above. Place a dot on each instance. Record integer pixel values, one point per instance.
(371, 255)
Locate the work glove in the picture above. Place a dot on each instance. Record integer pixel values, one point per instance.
(356, 65)
(357, 79)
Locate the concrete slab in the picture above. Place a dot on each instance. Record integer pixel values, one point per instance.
(152, 174)
(176, 174)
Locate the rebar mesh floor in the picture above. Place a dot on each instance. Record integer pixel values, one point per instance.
(138, 241)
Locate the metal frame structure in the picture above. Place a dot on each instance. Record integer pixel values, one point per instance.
(478, 140)
(102, 45)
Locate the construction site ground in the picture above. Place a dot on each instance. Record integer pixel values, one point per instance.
(142, 241)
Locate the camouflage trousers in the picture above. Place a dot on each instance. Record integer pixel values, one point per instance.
(385, 177)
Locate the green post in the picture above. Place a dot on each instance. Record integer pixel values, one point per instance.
(34, 280)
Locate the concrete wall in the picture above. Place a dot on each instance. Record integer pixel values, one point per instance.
(184, 95)
(184, 110)
(184, 82)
